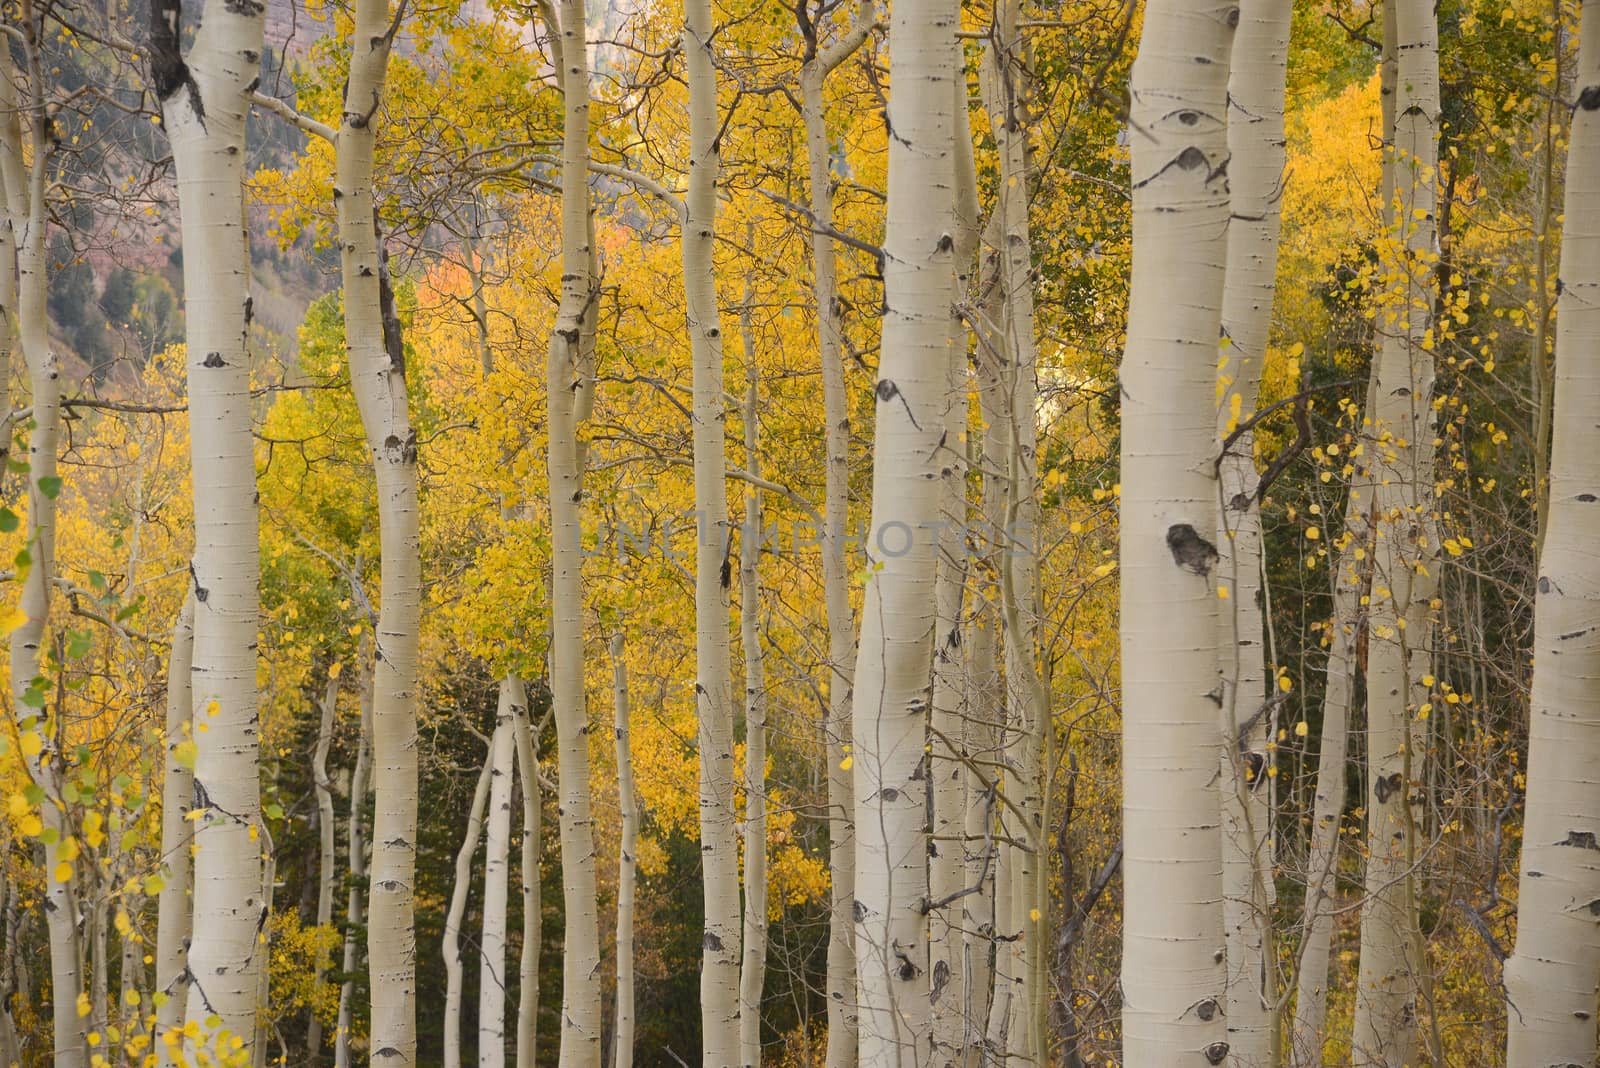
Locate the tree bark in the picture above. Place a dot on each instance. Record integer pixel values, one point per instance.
(1256, 163)
(1173, 979)
(720, 956)
(496, 882)
(627, 858)
(753, 969)
(325, 843)
(205, 98)
(532, 895)
(569, 385)
(1552, 975)
(1387, 991)
(459, 892)
(177, 791)
(893, 674)
(359, 780)
(840, 978)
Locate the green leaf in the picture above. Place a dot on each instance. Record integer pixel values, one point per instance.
(130, 611)
(274, 811)
(8, 521)
(50, 486)
(78, 643)
(34, 794)
(97, 581)
(33, 696)
(49, 836)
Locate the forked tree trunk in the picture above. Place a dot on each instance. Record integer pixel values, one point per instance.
(1387, 993)
(376, 355)
(1172, 943)
(719, 966)
(205, 98)
(492, 974)
(627, 858)
(753, 969)
(893, 673)
(1553, 973)
(568, 374)
(177, 793)
(1255, 173)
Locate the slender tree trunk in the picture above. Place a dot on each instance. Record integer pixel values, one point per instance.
(205, 98)
(753, 970)
(177, 792)
(950, 751)
(376, 355)
(569, 384)
(496, 882)
(325, 842)
(1554, 971)
(23, 165)
(1387, 984)
(1255, 172)
(627, 857)
(532, 895)
(840, 979)
(359, 780)
(719, 969)
(459, 893)
(1173, 978)
(1351, 582)
(893, 674)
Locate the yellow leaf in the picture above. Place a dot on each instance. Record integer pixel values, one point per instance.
(847, 763)
(1300, 729)
(32, 744)
(336, 668)
(63, 872)
(12, 620)
(31, 826)
(83, 1004)
(184, 753)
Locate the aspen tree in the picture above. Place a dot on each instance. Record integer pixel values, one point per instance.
(177, 793)
(205, 99)
(532, 909)
(359, 780)
(460, 889)
(569, 391)
(1172, 945)
(1553, 975)
(753, 969)
(496, 882)
(950, 751)
(1390, 969)
(25, 152)
(627, 858)
(325, 837)
(1256, 152)
(376, 356)
(719, 968)
(893, 673)
(819, 62)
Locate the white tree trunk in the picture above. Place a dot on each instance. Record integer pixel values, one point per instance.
(950, 751)
(496, 883)
(753, 970)
(1255, 174)
(893, 674)
(719, 968)
(460, 890)
(1172, 957)
(1554, 971)
(375, 352)
(627, 857)
(177, 793)
(24, 158)
(205, 98)
(359, 780)
(325, 843)
(840, 980)
(568, 386)
(1400, 442)
(532, 895)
